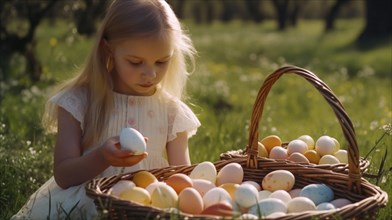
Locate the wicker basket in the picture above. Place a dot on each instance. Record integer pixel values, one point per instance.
(329, 96)
(367, 198)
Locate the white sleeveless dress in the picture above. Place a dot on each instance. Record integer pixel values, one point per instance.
(159, 117)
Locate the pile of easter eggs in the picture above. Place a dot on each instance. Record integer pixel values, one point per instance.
(325, 150)
(225, 193)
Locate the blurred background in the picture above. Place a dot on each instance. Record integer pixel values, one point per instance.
(347, 43)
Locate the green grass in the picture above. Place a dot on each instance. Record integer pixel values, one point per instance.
(233, 61)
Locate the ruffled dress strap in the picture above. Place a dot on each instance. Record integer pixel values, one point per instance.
(181, 118)
(73, 101)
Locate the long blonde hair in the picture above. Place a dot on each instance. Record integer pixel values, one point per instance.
(126, 19)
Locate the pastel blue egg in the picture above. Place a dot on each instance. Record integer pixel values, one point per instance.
(325, 206)
(318, 193)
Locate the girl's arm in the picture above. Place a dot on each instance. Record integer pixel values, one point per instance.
(71, 167)
(177, 150)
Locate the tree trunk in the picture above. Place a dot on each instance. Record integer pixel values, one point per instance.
(332, 14)
(378, 21)
(281, 7)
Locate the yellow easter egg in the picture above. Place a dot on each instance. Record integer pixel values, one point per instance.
(262, 151)
(271, 141)
(143, 178)
(136, 194)
(312, 156)
(230, 188)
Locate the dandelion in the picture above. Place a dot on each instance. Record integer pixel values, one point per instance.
(53, 41)
(387, 129)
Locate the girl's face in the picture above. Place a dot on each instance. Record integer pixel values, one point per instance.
(140, 64)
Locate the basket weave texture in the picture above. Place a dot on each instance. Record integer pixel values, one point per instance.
(367, 198)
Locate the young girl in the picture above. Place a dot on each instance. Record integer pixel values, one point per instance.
(134, 77)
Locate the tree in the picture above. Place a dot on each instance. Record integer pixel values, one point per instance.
(378, 21)
(21, 40)
(332, 14)
(87, 15)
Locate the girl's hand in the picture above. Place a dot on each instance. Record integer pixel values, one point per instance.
(115, 156)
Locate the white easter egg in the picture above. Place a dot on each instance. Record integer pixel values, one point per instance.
(164, 196)
(297, 146)
(282, 195)
(205, 170)
(120, 187)
(202, 185)
(328, 159)
(278, 179)
(253, 183)
(325, 145)
(300, 204)
(342, 156)
(230, 173)
(268, 206)
(278, 153)
(263, 194)
(215, 196)
(246, 195)
(308, 140)
(131, 139)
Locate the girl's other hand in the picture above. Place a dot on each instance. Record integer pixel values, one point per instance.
(115, 156)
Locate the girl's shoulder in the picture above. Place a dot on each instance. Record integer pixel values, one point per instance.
(73, 100)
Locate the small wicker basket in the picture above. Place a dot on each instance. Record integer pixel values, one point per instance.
(367, 198)
(329, 96)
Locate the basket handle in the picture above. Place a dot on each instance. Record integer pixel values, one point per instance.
(330, 97)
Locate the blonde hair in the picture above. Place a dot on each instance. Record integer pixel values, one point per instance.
(126, 19)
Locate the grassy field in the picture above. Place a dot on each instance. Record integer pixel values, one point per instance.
(233, 61)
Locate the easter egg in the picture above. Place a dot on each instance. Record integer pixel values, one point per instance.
(131, 139)
(202, 185)
(271, 141)
(136, 194)
(339, 203)
(328, 159)
(223, 208)
(253, 183)
(204, 170)
(143, 178)
(215, 196)
(120, 187)
(179, 181)
(342, 156)
(190, 201)
(261, 150)
(300, 204)
(278, 179)
(312, 156)
(230, 173)
(268, 206)
(298, 157)
(278, 153)
(230, 188)
(308, 140)
(296, 146)
(282, 195)
(164, 196)
(318, 193)
(263, 194)
(325, 206)
(325, 145)
(246, 195)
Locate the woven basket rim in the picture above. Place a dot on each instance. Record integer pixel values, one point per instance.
(371, 199)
